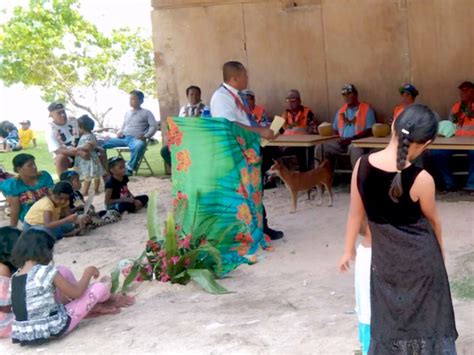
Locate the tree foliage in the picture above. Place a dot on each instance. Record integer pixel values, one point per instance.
(50, 45)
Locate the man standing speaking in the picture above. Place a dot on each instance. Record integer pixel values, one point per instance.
(229, 102)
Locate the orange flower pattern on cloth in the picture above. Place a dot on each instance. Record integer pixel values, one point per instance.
(255, 177)
(251, 156)
(244, 173)
(246, 240)
(257, 198)
(243, 191)
(184, 160)
(260, 220)
(244, 214)
(174, 135)
(241, 141)
(180, 198)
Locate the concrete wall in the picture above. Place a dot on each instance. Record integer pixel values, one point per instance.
(316, 46)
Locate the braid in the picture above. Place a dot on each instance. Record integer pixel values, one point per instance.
(396, 189)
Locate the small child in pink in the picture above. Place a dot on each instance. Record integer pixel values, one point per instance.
(47, 302)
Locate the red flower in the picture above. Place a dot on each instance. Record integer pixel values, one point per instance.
(174, 260)
(244, 214)
(184, 160)
(241, 141)
(186, 242)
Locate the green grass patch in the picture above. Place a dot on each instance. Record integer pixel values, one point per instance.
(44, 159)
(464, 288)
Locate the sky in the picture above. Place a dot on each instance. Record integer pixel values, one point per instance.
(18, 103)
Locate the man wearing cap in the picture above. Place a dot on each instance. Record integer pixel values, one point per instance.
(408, 94)
(60, 136)
(299, 119)
(229, 102)
(462, 115)
(139, 124)
(26, 134)
(353, 120)
(258, 111)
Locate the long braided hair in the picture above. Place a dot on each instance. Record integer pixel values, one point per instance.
(416, 124)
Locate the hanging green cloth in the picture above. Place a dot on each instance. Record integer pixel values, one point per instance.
(216, 173)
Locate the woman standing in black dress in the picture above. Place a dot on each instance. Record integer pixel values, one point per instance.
(411, 306)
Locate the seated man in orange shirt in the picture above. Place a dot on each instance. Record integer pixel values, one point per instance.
(462, 115)
(258, 111)
(299, 119)
(352, 121)
(408, 94)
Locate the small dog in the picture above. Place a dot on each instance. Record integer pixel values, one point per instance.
(321, 177)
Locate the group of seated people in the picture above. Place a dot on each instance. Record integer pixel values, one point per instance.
(36, 201)
(354, 120)
(14, 139)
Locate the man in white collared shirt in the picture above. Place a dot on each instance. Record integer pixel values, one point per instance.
(231, 103)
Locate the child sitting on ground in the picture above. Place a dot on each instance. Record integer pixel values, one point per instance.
(92, 168)
(47, 301)
(47, 213)
(117, 194)
(12, 140)
(77, 202)
(26, 134)
(8, 238)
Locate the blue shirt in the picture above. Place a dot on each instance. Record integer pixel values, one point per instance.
(27, 194)
(350, 130)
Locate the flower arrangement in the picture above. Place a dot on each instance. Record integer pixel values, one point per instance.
(171, 255)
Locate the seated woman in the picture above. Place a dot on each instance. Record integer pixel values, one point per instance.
(28, 187)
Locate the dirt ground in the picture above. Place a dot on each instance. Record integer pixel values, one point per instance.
(291, 302)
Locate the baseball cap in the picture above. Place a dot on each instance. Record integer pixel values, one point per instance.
(26, 122)
(466, 85)
(249, 93)
(408, 88)
(348, 88)
(293, 94)
(54, 106)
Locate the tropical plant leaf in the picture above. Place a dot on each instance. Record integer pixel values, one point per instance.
(171, 244)
(153, 222)
(214, 254)
(182, 278)
(205, 279)
(115, 276)
(130, 277)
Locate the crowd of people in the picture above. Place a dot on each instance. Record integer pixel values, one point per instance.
(354, 120)
(390, 196)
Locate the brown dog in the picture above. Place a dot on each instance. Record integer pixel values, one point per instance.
(321, 177)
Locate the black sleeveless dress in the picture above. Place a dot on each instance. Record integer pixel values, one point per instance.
(411, 306)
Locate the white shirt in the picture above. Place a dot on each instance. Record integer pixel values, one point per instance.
(58, 136)
(223, 105)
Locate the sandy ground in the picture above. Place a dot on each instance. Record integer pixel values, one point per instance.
(292, 302)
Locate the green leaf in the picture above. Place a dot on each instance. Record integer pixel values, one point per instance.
(115, 276)
(205, 279)
(130, 277)
(153, 223)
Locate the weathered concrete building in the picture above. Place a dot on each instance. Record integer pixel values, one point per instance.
(316, 46)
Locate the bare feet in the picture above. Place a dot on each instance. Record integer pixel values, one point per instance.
(118, 300)
(102, 309)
